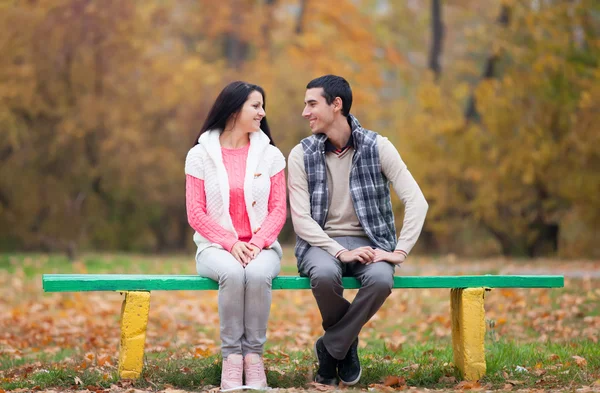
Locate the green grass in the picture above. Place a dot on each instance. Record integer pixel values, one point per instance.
(426, 362)
(424, 365)
(9, 362)
(34, 265)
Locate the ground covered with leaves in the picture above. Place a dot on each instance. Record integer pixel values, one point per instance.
(536, 338)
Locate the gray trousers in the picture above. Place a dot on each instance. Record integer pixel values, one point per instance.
(244, 297)
(342, 320)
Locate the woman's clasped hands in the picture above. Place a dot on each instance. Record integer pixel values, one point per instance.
(244, 252)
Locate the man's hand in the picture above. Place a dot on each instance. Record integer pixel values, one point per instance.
(364, 255)
(242, 252)
(392, 257)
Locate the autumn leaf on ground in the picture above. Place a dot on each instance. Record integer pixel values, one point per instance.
(319, 387)
(581, 362)
(468, 385)
(104, 361)
(392, 380)
(445, 379)
(201, 353)
(381, 388)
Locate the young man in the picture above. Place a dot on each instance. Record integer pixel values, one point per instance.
(342, 213)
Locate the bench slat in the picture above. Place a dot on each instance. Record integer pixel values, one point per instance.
(141, 282)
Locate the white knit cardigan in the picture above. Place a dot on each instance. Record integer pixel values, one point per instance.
(205, 161)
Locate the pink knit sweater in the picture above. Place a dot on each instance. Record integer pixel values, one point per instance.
(235, 164)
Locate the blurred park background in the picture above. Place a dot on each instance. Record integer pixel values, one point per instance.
(494, 105)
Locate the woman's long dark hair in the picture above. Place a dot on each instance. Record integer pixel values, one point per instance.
(228, 103)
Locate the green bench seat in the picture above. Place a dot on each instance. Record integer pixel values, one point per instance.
(466, 303)
(147, 282)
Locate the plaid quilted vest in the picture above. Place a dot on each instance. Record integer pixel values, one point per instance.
(369, 188)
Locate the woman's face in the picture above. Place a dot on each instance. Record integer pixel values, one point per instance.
(252, 112)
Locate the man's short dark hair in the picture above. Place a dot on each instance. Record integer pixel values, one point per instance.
(334, 86)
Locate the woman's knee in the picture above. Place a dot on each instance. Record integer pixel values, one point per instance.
(259, 276)
(264, 268)
(234, 276)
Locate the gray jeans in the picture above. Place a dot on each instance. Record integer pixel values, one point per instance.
(342, 320)
(244, 297)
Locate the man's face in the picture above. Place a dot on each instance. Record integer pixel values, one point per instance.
(316, 110)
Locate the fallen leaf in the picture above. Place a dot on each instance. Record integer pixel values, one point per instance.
(445, 379)
(468, 385)
(381, 388)
(104, 361)
(78, 381)
(581, 362)
(201, 353)
(393, 380)
(319, 387)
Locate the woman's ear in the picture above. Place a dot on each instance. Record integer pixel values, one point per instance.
(231, 121)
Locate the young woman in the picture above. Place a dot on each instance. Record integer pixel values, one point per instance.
(235, 194)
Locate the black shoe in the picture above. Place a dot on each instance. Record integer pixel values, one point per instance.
(327, 373)
(349, 368)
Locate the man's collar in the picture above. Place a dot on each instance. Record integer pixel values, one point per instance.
(329, 147)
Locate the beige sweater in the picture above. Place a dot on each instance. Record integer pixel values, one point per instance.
(342, 219)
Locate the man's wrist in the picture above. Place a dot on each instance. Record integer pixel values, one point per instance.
(402, 256)
(337, 255)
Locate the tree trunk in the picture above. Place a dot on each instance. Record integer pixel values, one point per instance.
(266, 27)
(508, 244)
(185, 232)
(546, 242)
(489, 69)
(236, 50)
(300, 20)
(437, 38)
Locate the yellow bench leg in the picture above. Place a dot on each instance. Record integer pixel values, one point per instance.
(468, 331)
(134, 319)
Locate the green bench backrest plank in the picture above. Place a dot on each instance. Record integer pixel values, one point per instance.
(135, 282)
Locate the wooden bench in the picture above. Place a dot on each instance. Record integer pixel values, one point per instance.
(466, 301)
